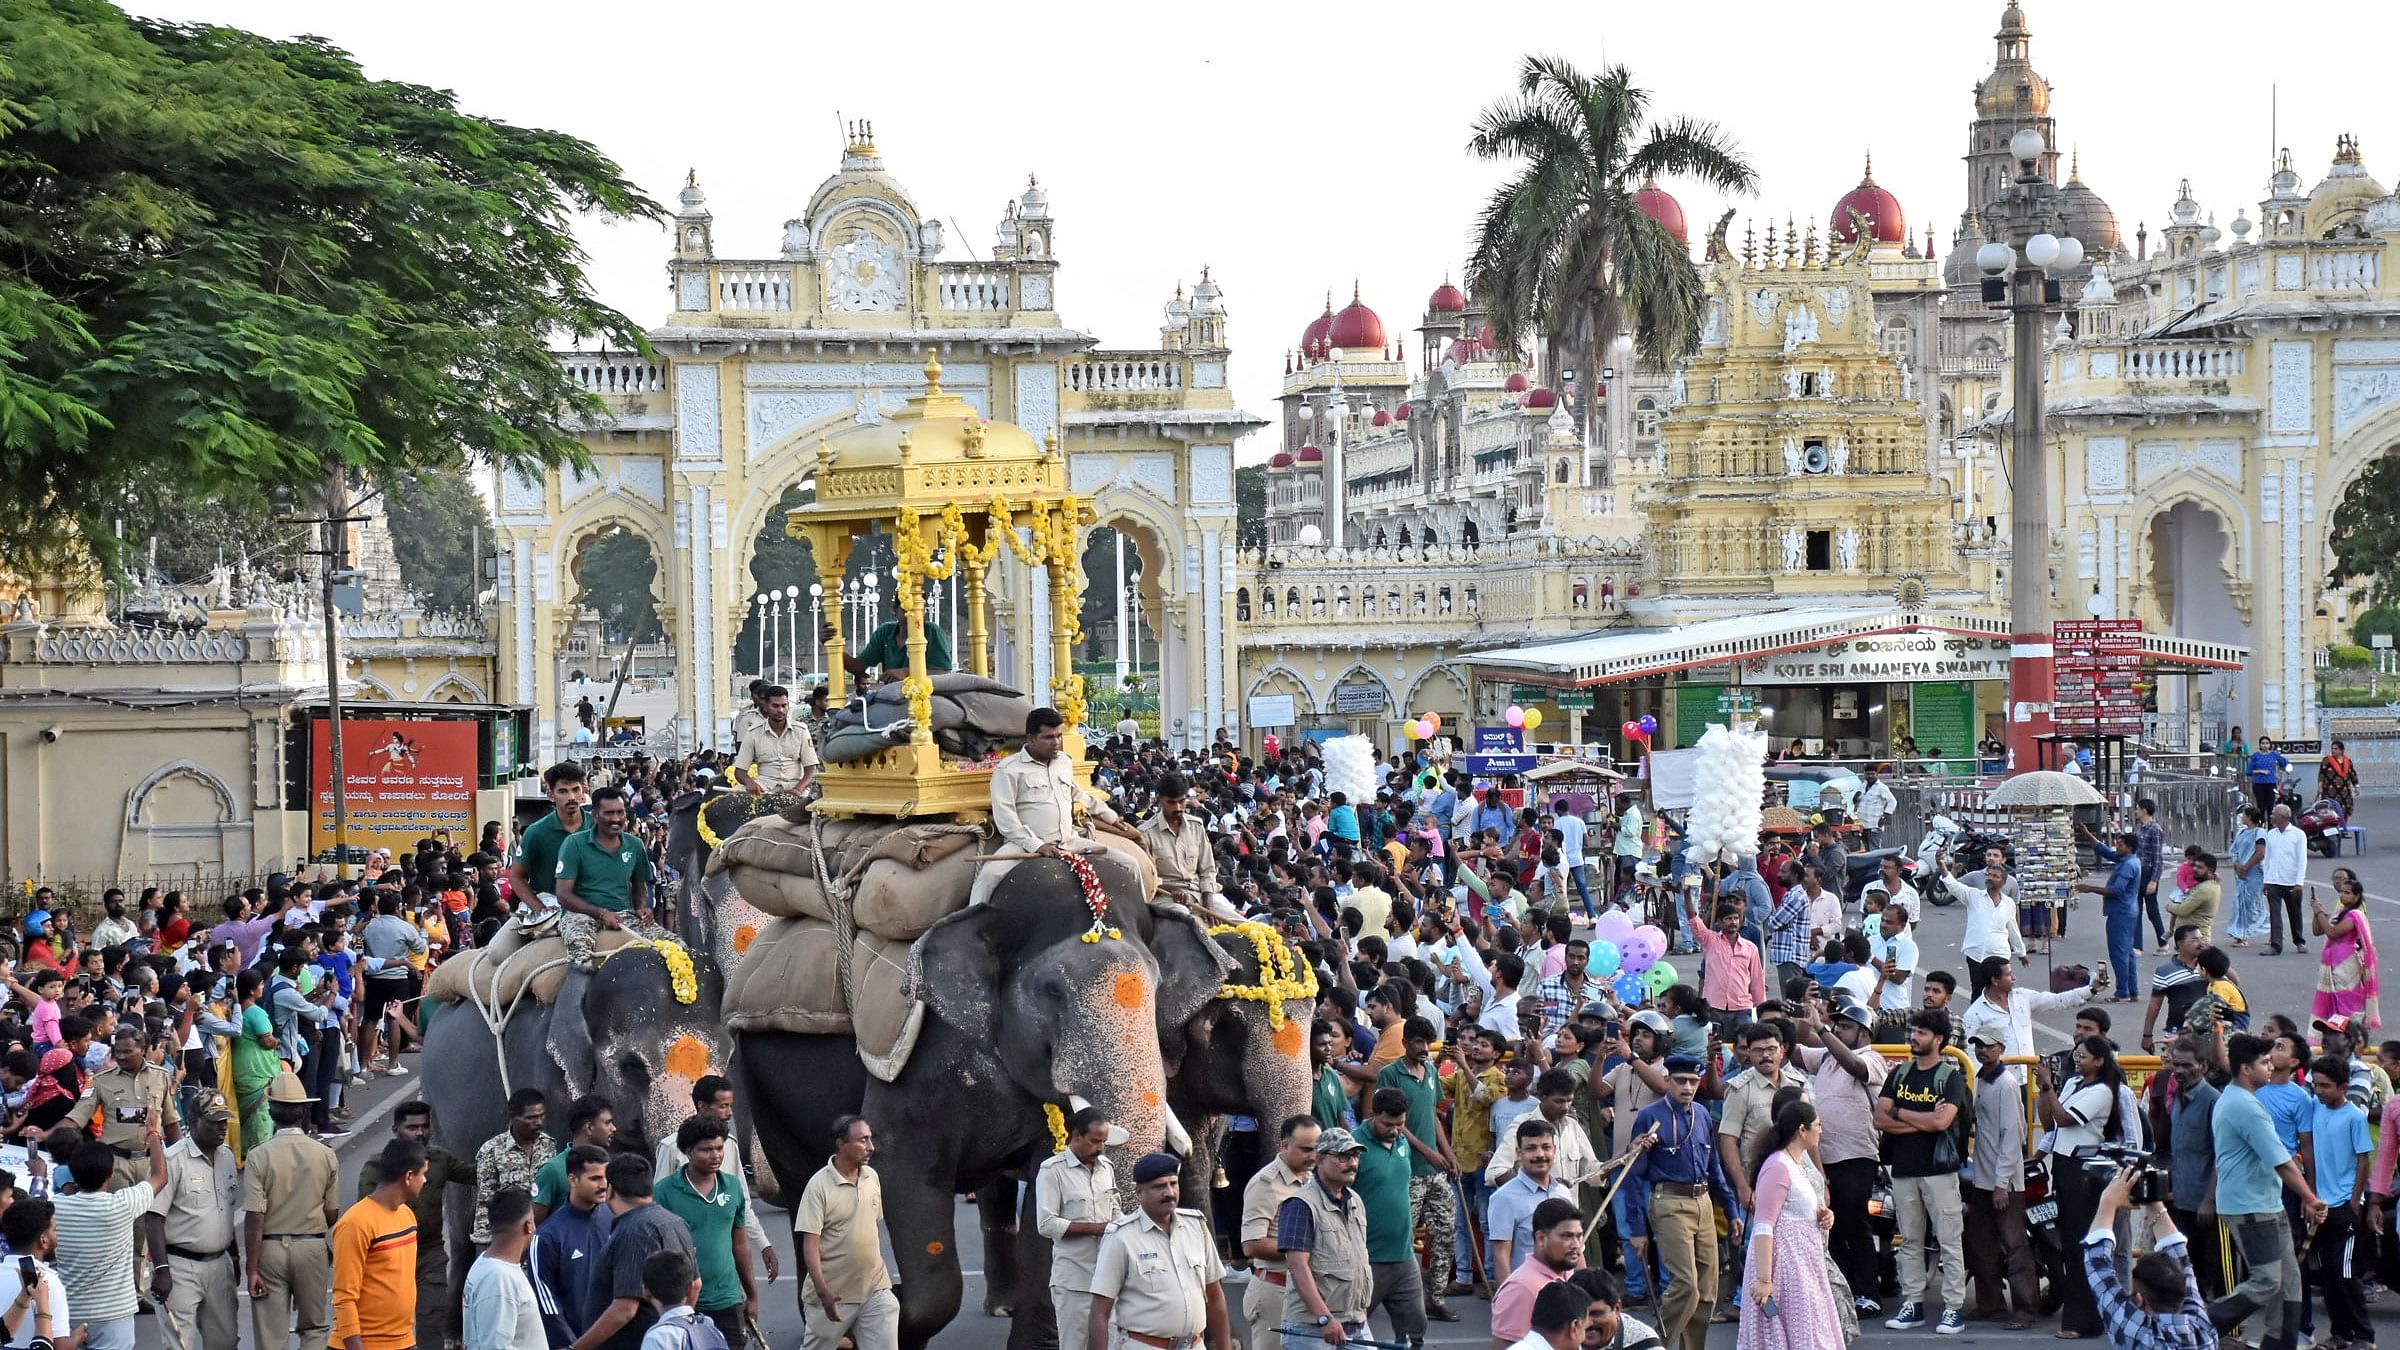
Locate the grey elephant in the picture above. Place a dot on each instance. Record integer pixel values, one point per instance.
(1023, 1013)
(1243, 1052)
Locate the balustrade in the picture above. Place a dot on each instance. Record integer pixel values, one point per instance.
(2345, 270)
(761, 289)
(1125, 375)
(973, 289)
(2184, 361)
(607, 373)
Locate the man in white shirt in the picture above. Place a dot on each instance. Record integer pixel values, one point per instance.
(1894, 954)
(1991, 922)
(1034, 796)
(1571, 831)
(2286, 868)
(2004, 1012)
(1500, 1017)
(499, 1309)
(1875, 805)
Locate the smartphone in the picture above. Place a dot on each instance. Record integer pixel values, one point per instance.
(1767, 1307)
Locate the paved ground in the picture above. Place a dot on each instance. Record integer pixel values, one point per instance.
(2272, 983)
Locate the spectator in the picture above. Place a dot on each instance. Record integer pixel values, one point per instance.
(413, 1121)
(374, 1269)
(1920, 1107)
(670, 1286)
(2250, 1158)
(591, 1120)
(2248, 857)
(618, 1314)
(1074, 1200)
(2178, 984)
(2120, 905)
(1846, 1078)
(2191, 1149)
(1560, 1314)
(2007, 1286)
(1554, 1253)
(95, 1229)
(1609, 1327)
(2286, 871)
(567, 1246)
(500, 1311)
(37, 1316)
(1534, 1182)
(2339, 1150)
(712, 1096)
(1787, 1246)
(710, 1200)
(511, 1159)
(1733, 975)
(1574, 1162)
(2162, 1309)
(2003, 1012)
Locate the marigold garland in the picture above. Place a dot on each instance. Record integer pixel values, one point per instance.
(681, 977)
(1282, 974)
(1057, 1121)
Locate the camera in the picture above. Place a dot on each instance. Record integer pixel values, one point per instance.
(2101, 1162)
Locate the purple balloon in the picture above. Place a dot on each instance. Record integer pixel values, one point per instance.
(1653, 937)
(1614, 926)
(1639, 954)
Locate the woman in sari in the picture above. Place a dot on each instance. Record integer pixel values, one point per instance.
(2247, 856)
(2346, 979)
(52, 1092)
(255, 1062)
(2337, 778)
(1791, 1304)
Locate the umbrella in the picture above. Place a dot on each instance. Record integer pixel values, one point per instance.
(2044, 788)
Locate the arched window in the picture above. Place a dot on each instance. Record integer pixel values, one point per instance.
(1645, 420)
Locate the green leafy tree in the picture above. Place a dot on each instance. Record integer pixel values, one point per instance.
(1562, 253)
(1250, 507)
(614, 578)
(2365, 538)
(439, 527)
(231, 264)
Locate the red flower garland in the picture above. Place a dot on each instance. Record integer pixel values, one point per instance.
(1095, 897)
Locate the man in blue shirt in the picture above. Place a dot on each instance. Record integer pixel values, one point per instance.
(2250, 1159)
(2192, 1172)
(1668, 1192)
(2120, 906)
(566, 1248)
(2338, 1148)
(1495, 815)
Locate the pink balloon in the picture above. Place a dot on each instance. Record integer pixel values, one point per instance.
(1652, 935)
(1615, 926)
(1426, 727)
(1515, 716)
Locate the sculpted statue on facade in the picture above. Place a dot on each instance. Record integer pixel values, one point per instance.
(1846, 548)
(1791, 456)
(1799, 328)
(1795, 549)
(1840, 454)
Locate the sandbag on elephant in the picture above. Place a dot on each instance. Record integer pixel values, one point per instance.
(973, 718)
(499, 977)
(900, 877)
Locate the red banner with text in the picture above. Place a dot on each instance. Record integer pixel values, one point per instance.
(403, 781)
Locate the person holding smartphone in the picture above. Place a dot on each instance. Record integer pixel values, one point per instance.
(37, 1316)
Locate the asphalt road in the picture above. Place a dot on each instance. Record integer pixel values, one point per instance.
(2272, 983)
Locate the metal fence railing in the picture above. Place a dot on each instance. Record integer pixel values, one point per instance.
(2193, 808)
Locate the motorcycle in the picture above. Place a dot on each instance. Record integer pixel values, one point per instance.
(1946, 839)
(2323, 824)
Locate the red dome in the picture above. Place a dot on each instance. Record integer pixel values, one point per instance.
(1381, 419)
(1882, 210)
(1660, 205)
(1405, 410)
(1517, 383)
(1357, 328)
(1310, 454)
(1541, 398)
(1312, 338)
(1281, 459)
(1447, 299)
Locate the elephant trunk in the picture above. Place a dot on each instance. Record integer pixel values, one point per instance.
(1111, 1058)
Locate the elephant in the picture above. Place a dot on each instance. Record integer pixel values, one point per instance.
(710, 915)
(1023, 1012)
(1236, 1055)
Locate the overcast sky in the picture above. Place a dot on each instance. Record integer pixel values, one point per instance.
(1296, 148)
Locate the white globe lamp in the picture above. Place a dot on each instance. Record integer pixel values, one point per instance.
(2042, 250)
(1995, 258)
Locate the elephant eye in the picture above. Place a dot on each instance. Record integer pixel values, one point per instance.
(633, 1067)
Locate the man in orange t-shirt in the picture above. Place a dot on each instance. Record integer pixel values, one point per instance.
(375, 1258)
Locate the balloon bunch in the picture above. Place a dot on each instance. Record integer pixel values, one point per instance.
(1729, 787)
(1524, 719)
(1640, 729)
(1423, 727)
(1631, 956)
(1350, 767)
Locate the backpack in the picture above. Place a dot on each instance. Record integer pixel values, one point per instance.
(1950, 1151)
(699, 1333)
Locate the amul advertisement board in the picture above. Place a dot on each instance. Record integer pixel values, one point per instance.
(403, 781)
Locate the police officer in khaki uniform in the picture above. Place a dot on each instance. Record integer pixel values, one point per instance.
(1074, 1201)
(190, 1225)
(1294, 1162)
(289, 1204)
(1158, 1282)
(121, 1096)
(1322, 1232)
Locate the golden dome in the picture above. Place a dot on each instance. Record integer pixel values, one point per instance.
(936, 449)
(2341, 200)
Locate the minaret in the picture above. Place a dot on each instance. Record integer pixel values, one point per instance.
(695, 244)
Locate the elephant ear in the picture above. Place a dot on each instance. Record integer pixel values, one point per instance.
(1191, 967)
(955, 968)
(571, 1033)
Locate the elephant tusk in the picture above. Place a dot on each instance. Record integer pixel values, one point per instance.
(1076, 1102)
(1177, 1139)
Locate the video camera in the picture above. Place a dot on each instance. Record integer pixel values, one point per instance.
(2101, 1163)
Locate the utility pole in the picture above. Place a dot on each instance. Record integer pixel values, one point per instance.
(337, 549)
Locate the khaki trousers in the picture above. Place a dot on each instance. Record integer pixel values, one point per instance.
(871, 1325)
(200, 1308)
(1074, 1309)
(1262, 1308)
(1684, 1229)
(299, 1278)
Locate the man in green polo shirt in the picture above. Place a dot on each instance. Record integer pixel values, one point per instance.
(709, 1199)
(603, 881)
(1431, 1165)
(888, 648)
(1384, 1173)
(536, 861)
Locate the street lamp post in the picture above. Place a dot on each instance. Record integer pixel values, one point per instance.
(2024, 227)
(816, 627)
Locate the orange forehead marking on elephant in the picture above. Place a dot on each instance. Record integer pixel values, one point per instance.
(1288, 1040)
(1150, 1099)
(1132, 990)
(743, 937)
(687, 1057)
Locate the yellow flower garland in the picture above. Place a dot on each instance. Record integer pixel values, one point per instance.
(1282, 974)
(681, 977)
(1057, 1120)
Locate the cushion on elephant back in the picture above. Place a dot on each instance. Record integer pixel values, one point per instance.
(540, 965)
(883, 1018)
(772, 862)
(914, 876)
(787, 981)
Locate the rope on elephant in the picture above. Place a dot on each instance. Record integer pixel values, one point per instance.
(496, 1018)
(837, 903)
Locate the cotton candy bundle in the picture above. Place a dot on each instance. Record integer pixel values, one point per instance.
(1729, 786)
(1350, 767)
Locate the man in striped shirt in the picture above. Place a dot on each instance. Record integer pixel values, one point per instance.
(95, 1237)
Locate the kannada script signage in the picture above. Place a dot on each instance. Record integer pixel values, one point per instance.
(1902, 658)
(402, 780)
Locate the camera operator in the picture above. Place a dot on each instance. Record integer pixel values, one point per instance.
(2159, 1307)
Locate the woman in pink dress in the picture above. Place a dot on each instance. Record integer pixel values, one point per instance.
(2346, 979)
(1790, 1304)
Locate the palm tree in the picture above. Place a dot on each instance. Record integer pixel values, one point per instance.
(1563, 252)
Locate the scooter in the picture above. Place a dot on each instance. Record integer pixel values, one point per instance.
(1924, 863)
(2323, 824)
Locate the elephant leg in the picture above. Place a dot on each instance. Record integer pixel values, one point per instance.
(918, 1209)
(996, 1213)
(1034, 1325)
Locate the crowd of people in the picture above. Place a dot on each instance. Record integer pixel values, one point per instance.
(1731, 1140)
